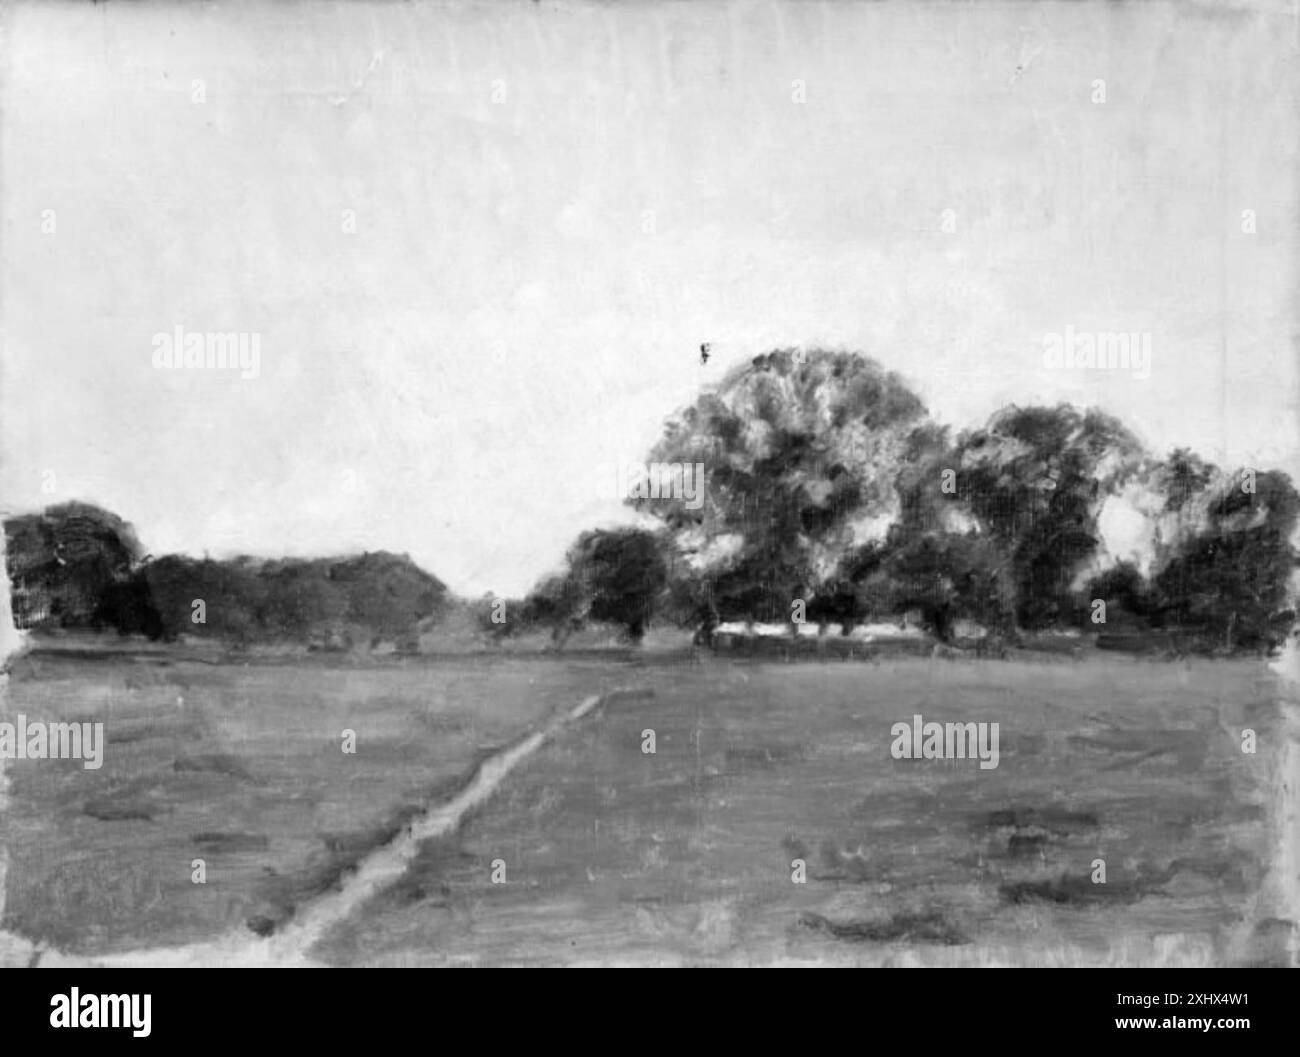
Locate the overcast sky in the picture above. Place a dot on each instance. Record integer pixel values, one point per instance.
(554, 205)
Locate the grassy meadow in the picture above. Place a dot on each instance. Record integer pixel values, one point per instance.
(241, 765)
(613, 855)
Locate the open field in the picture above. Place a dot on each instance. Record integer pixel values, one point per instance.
(242, 766)
(613, 855)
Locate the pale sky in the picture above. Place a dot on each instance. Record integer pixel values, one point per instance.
(555, 204)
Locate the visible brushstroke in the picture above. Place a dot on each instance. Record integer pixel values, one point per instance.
(291, 945)
(909, 928)
(615, 577)
(78, 567)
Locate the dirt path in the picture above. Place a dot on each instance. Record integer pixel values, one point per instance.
(292, 945)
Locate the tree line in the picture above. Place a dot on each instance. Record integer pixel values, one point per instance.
(830, 496)
(76, 566)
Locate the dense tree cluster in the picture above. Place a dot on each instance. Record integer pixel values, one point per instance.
(77, 566)
(830, 492)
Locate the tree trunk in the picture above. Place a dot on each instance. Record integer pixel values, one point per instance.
(561, 635)
(941, 621)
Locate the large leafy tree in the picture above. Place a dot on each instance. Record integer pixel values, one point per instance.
(63, 564)
(799, 452)
(1230, 567)
(938, 557)
(621, 574)
(1036, 478)
(618, 576)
